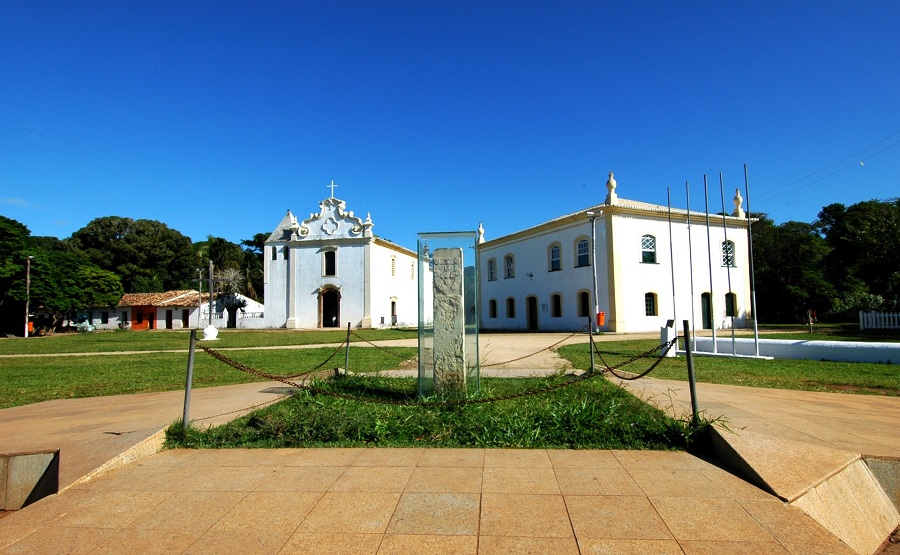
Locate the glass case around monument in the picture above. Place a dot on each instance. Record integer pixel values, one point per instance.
(448, 314)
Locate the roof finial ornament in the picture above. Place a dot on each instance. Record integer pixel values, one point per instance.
(480, 233)
(611, 196)
(332, 186)
(738, 200)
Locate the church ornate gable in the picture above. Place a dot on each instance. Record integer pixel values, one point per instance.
(334, 221)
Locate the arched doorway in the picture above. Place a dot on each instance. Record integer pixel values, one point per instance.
(330, 308)
(532, 313)
(706, 310)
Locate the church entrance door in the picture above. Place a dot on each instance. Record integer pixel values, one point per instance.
(331, 309)
(532, 313)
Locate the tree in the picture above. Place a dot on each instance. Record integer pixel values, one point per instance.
(788, 261)
(222, 252)
(147, 255)
(864, 241)
(231, 283)
(64, 281)
(13, 250)
(252, 265)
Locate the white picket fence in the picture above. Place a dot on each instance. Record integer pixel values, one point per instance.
(879, 320)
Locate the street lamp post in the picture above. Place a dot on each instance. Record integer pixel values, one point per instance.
(27, 290)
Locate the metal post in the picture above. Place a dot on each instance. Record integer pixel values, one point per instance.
(750, 253)
(688, 348)
(189, 380)
(592, 216)
(687, 189)
(712, 296)
(210, 291)
(347, 351)
(27, 290)
(732, 297)
(671, 252)
(591, 343)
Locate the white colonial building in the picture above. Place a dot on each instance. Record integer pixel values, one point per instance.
(330, 270)
(611, 265)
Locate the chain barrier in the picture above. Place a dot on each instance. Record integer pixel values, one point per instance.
(444, 403)
(384, 349)
(612, 369)
(537, 352)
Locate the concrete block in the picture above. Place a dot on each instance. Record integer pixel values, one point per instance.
(853, 507)
(29, 477)
(887, 472)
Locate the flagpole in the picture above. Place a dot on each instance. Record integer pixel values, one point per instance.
(750, 251)
(687, 190)
(712, 311)
(730, 263)
(671, 253)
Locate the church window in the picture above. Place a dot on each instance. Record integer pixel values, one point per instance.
(492, 269)
(274, 253)
(492, 308)
(287, 252)
(330, 263)
(584, 304)
(556, 305)
(555, 262)
(728, 254)
(648, 249)
(510, 308)
(650, 304)
(510, 267)
(582, 256)
(730, 304)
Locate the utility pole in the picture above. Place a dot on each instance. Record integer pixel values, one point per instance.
(27, 290)
(210, 292)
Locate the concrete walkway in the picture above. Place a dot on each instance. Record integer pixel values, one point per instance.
(425, 500)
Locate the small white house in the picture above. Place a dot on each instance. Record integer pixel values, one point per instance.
(330, 270)
(172, 310)
(610, 265)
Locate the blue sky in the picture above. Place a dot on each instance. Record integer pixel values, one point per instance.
(216, 117)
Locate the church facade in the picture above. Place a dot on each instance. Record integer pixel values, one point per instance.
(620, 266)
(330, 270)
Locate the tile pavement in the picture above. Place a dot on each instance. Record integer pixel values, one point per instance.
(406, 501)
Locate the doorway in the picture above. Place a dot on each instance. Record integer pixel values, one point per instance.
(331, 308)
(169, 319)
(532, 313)
(706, 310)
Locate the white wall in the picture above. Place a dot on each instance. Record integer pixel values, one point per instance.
(632, 279)
(531, 254)
(839, 351)
(400, 285)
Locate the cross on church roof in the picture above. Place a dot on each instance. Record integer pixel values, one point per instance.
(333, 185)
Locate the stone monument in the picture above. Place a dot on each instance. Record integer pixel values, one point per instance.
(449, 323)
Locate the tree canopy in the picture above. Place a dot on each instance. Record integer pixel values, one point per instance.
(63, 279)
(147, 255)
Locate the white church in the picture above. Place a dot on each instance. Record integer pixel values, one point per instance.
(622, 266)
(330, 270)
(611, 265)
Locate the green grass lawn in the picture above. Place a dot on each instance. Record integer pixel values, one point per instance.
(168, 340)
(588, 414)
(28, 380)
(809, 375)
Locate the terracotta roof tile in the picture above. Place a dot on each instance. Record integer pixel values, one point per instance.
(186, 297)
